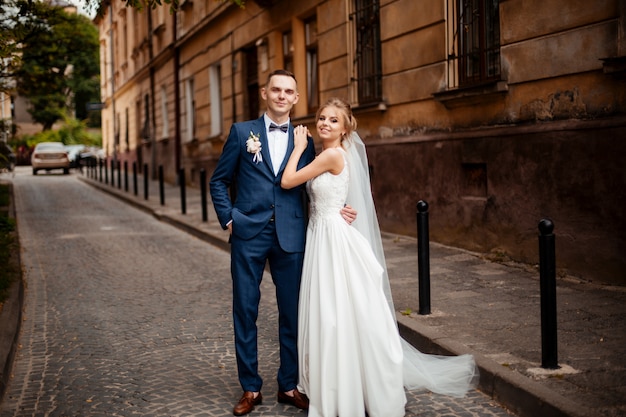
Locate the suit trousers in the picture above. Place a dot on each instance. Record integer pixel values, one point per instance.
(248, 260)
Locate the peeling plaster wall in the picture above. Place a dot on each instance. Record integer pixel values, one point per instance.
(566, 171)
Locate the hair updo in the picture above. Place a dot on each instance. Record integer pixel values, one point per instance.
(345, 112)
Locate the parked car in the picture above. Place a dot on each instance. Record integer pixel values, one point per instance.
(91, 155)
(49, 156)
(73, 153)
(7, 157)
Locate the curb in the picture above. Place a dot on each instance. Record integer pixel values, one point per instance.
(10, 317)
(519, 394)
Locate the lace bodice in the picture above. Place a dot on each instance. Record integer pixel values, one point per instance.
(328, 193)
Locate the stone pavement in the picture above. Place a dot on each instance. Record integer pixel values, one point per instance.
(125, 315)
(479, 306)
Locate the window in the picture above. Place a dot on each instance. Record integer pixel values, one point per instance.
(475, 48)
(125, 40)
(251, 80)
(288, 51)
(312, 84)
(368, 51)
(164, 120)
(215, 77)
(191, 110)
(127, 135)
(145, 131)
(116, 139)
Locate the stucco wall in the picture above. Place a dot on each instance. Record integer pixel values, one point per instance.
(565, 171)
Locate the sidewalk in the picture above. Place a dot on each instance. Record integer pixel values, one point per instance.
(488, 309)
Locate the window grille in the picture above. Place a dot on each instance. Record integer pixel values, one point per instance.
(475, 48)
(368, 60)
(312, 81)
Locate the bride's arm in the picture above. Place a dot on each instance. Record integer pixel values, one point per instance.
(329, 160)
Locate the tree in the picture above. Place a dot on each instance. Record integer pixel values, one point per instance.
(138, 4)
(152, 4)
(59, 61)
(9, 49)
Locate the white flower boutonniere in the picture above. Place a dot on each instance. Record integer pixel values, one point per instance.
(253, 146)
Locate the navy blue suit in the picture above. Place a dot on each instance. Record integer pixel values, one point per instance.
(269, 224)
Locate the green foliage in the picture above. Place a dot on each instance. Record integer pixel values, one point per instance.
(8, 245)
(72, 132)
(9, 49)
(153, 4)
(6, 224)
(60, 61)
(4, 195)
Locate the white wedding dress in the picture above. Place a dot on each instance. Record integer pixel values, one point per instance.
(350, 354)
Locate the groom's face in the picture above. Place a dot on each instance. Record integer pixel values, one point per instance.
(280, 95)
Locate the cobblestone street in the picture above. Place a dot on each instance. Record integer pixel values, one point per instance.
(125, 315)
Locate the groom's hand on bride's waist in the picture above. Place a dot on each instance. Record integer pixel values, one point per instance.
(348, 213)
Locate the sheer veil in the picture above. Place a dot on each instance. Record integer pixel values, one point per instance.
(448, 375)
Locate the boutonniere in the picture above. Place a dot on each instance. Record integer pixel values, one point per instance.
(253, 146)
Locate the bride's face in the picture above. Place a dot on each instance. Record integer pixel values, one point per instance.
(330, 124)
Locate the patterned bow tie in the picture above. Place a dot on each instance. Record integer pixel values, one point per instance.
(284, 128)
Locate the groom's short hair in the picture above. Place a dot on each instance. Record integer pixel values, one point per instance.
(280, 72)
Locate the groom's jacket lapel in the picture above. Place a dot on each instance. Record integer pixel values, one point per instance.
(265, 148)
(289, 149)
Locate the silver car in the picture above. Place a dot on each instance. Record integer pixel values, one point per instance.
(49, 156)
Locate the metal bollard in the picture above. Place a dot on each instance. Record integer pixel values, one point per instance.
(203, 197)
(126, 176)
(119, 175)
(423, 258)
(106, 172)
(100, 170)
(183, 197)
(547, 282)
(161, 188)
(135, 177)
(112, 173)
(145, 181)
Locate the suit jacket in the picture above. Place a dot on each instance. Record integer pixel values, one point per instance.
(258, 196)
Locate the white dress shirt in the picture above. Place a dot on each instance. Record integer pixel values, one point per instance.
(277, 142)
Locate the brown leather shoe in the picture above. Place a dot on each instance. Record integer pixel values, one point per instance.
(247, 403)
(299, 399)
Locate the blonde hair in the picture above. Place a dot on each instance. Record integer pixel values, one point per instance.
(345, 112)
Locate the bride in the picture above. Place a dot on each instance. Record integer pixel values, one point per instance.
(351, 357)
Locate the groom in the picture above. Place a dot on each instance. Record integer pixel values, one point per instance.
(266, 223)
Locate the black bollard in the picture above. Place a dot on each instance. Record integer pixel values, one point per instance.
(203, 197)
(135, 177)
(423, 258)
(145, 181)
(100, 170)
(119, 175)
(126, 176)
(183, 196)
(547, 282)
(106, 172)
(161, 187)
(112, 173)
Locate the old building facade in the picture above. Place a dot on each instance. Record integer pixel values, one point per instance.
(498, 113)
